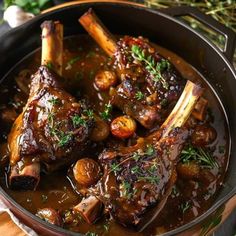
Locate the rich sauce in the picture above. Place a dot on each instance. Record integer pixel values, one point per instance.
(82, 60)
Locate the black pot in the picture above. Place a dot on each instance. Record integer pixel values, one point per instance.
(163, 28)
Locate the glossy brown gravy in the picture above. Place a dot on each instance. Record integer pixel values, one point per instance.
(82, 60)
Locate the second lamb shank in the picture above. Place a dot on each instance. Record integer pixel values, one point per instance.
(53, 128)
(137, 180)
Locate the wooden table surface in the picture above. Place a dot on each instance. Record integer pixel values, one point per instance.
(8, 227)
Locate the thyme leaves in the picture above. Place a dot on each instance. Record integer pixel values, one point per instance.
(141, 169)
(126, 189)
(115, 168)
(153, 67)
(139, 95)
(200, 155)
(78, 120)
(106, 114)
(54, 101)
(185, 206)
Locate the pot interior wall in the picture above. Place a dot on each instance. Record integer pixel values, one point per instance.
(159, 28)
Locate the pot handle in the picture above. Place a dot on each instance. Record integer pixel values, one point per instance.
(230, 35)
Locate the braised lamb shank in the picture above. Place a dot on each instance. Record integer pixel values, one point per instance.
(53, 128)
(137, 180)
(149, 84)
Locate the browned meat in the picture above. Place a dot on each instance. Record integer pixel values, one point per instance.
(52, 130)
(149, 85)
(137, 180)
(145, 114)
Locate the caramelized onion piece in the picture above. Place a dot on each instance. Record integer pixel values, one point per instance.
(105, 79)
(100, 131)
(86, 171)
(123, 127)
(188, 170)
(203, 135)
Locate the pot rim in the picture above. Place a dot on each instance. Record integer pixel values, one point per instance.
(64, 6)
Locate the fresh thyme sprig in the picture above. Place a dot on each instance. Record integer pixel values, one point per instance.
(115, 168)
(139, 95)
(78, 120)
(153, 67)
(140, 173)
(64, 138)
(126, 189)
(54, 101)
(106, 114)
(198, 154)
(89, 113)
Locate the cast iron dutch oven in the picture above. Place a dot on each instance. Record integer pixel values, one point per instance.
(163, 28)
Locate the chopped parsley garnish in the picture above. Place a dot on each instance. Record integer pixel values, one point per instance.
(175, 192)
(153, 67)
(64, 139)
(91, 234)
(49, 65)
(185, 206)
(139, 95)
(198, 154)
(90, 54)
(115, 168)
(106, 227)
(153, 168)
(164, 102)
(150, 179)
(54, 101)
(71, 62)
(89, 113)
(78, 120)
(135, 170)
(106, 114)
(126, 189)
(136, 156)
(150, 150)
(50, 117)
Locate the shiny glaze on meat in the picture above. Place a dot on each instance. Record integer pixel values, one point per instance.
(44, 133)
(82, 59)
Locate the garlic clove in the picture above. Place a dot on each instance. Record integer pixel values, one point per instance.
(16, 16)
